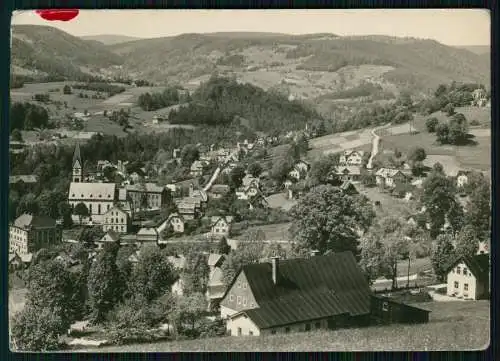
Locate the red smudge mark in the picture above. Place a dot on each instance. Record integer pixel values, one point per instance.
(58, 14)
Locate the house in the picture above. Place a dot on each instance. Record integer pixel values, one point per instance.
(249, 180)
(352, 157)
(214, 261)
(299, 170)
(29, 233)
(483, 248)
(15, 261)
(18, 180)
(287, 184)
(218, 191)
(222, 155)
(158, 119)
(197, 193)
(196, 169)
(462, 178)
(388, 177)
(215, 289)
(177, 287)
(147, 195)
(301, 294)
(177, 222)
(147, 235)
(116, 219)
(348, 188)
(109, 237)
(469, 277)
(257, 201)
(221, 226)
(189, 208)
(246, 193)
(350, 173)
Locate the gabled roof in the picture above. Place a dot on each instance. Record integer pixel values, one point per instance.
(26, 257)
(219, 189)
(13, 256)
(104, 191)
(388, 172)
(29, 220)
(215, 219)
(337, 271)
(347, 185)
(216, 279)
(349, 152)
(215, 259)
(479, 265)
(115, 208)
(299, 277)
(147, 232)
(24, 178)
(76, 156)
(349, 169)
(113, 235)
(174, 215)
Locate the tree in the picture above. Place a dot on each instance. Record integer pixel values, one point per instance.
(89, 235)
(449, 109)
(373, 260)
(255, 169)
(458, 129)
(236, 177)
(153, 275)
(442, 133)
(104, 283)
(478, 207)
(327, 219)
(431, 124)
(196, 273)
(64, 210)
(417, 154)
(323, 170)
(467, 242)
(438, 197)
(67, 89)
(81, 211)
(16, 135)
(224, 247)
(418, 169)
(189, 154)
(441, 255)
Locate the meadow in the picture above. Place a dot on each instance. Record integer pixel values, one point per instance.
(452, 326)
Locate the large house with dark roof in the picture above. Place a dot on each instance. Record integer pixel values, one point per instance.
(29, 233)
(469, 277)
(327, 291)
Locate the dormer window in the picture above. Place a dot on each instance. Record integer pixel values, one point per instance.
(100, 196)
(82, 195)
(91, 196)
(109, 195)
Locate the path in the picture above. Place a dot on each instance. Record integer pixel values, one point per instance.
(218, 170)
(375, 145)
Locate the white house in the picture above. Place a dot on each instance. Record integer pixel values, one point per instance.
(109, 237)
(116, 219)
(196, 169)
(221, 226)
(469, 277)
(352, 157)
(389, 177)
(177, 222)
(462, 178)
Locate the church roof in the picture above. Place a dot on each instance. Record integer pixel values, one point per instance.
(97, 191)
(77, 156)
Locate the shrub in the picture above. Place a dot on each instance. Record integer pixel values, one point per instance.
(431, 124)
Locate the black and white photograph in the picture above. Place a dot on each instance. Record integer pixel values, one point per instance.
(243, 180)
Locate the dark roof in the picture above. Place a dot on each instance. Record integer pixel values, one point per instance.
(328, 285)
(479, 265)
(76, 155)
(27, 220)
(348, 186)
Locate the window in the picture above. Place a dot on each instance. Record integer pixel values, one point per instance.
(456, 284)
(287, 330)
(466, 286)
(239, 285)
(317, 325)
(465, 271)
(273, 332)
(385, 306)
(108, 207)
(123, 229)
(244, 285)
(98, 209)
(239, 331)
(250, 333)
(308, 327)
(244, 301)
(231, 298)
(238, 300)
(458, 270)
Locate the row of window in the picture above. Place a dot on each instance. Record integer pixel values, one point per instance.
(115, 228)
(115, 220)
(240, 300)
(465, 272)
(90, 195)
(457, 285)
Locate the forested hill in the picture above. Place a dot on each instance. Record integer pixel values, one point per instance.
(223, 100)
(47, 52)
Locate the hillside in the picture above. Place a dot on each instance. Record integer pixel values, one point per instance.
(329, 71)
(109, 39)
(40, 51)
(477, 49)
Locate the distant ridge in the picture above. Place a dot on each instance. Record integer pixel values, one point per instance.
(110, 39)
(477, 49)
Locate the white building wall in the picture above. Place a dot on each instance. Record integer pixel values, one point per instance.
(244, 324)
(455, 279)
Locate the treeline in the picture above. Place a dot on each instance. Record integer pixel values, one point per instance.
(154, 101)
(455, 95)
(363, 90)
(110, 89)
(28, 116)
(196, 114)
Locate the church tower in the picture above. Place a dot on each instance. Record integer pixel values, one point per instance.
(77, 165)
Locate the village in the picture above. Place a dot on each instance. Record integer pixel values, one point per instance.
(247, 192)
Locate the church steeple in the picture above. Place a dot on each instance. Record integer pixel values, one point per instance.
(77, 165)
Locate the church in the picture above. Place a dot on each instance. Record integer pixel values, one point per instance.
(97, 197)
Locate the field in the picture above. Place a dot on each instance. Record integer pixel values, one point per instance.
(278, 200)
(452, 326)
(277, 231)
(389, 205)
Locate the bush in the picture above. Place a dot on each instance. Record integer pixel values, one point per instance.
(431, 124)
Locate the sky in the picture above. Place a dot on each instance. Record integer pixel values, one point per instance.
(448, 26)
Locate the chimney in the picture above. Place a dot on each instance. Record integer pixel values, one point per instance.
(314, 253)
(275, 262)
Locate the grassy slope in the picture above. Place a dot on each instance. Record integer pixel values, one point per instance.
(453, 326)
